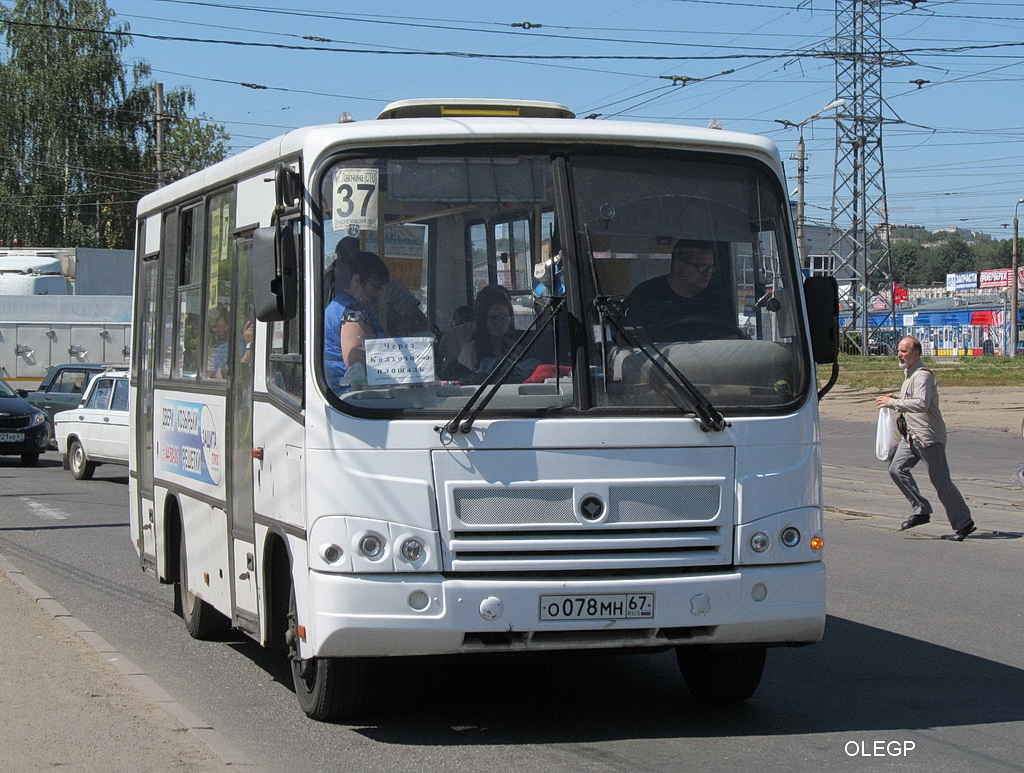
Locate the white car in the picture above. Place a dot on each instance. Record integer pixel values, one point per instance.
(96, 432)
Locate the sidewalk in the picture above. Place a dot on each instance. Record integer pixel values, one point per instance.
(70, 700)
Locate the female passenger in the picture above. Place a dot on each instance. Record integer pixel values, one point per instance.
(493, 334)
(351, 317)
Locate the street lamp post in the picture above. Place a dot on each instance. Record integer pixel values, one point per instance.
(801, 168)
(1014, 334)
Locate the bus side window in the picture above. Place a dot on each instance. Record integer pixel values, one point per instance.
(285, 371)
(286, 366)
(189, 292)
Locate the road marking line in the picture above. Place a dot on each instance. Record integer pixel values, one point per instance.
(45, 511)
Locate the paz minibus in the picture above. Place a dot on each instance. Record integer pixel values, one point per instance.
(598, 482)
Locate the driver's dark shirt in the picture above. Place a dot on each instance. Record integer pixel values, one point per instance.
(667, 316)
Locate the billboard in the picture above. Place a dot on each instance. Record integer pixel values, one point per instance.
(963, 281)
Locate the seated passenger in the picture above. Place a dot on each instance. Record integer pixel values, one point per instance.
(219, 331)
(402, 313)
(451, 342)
(681, 306)
(350, 318)
(493, 334)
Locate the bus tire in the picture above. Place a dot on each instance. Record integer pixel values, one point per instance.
(327, 688)
(80, 467)
(721, 675)
(202, 621)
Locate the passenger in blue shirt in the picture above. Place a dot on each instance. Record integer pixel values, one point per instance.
(350, 318)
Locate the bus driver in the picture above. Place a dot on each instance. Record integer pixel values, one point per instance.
(682, 305)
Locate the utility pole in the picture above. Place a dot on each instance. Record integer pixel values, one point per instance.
(801, 171)
(1014, 332)
(160, 135)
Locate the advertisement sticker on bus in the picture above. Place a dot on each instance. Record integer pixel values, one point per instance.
(189, 441)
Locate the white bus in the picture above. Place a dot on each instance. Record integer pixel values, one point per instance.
(597, 481)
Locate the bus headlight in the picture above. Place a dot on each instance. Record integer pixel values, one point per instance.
(331, 553)
(412, 550)
(349, 544)
(371, 546)
(789, 537)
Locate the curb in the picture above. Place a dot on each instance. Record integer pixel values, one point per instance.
(142, 683)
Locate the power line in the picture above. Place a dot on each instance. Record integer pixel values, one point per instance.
(767, 55)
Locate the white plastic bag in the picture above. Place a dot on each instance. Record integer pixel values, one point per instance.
(887, 437)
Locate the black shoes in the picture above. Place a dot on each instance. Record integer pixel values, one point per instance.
(916, 520)
(919, 520)
(961, 534)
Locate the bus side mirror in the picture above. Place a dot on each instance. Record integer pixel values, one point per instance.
(275, 271)
(822, 296)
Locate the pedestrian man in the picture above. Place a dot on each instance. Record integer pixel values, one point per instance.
(924, 437)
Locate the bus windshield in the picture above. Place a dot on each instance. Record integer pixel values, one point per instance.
(438, 272)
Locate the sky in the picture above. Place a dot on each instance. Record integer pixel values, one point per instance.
(953, 137)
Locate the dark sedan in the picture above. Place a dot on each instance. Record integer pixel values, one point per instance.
(23, 428)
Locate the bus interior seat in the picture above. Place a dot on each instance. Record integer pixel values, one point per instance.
(452, 341)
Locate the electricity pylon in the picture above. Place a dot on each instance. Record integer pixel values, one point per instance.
(859, 231)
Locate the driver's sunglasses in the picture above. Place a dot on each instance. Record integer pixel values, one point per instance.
(704, 268)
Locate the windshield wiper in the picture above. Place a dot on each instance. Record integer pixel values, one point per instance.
(500, 373)
(612, 311)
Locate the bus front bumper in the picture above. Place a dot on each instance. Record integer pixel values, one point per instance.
(396, 615)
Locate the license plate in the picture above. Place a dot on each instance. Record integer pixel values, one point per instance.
(12, 437)
(598, 606)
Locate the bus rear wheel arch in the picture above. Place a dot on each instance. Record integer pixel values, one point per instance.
(202, 621)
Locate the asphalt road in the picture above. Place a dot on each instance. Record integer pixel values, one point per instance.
(922, 666)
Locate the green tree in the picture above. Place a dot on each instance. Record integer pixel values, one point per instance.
(77, 130)
(192, 144)
(996, 253)
(906, 260)
(948, 256)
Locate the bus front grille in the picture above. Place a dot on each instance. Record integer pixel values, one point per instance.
(592, 551)
(545, 529)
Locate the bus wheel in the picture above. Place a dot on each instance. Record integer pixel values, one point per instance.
(327, 688)
(721, 674)
(202, 621)
(80, 467)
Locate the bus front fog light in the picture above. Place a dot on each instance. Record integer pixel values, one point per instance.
(371, 546)
(331, 553)
(790, 536)
(419, 600)
(412, 549)
(760, 542)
